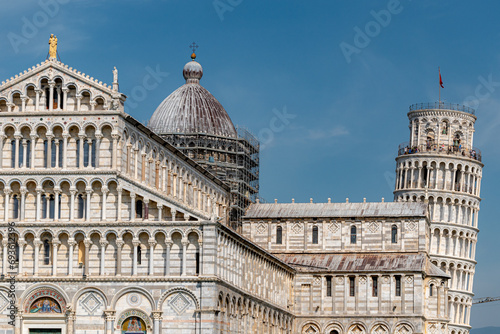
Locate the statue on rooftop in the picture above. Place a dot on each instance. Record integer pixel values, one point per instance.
(53, 47)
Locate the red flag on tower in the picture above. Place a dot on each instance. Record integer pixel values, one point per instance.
(440, 79)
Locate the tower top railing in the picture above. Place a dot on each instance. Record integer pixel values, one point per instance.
(442, 106)
(431, 148)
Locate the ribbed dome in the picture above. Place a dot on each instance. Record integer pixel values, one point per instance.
(192, 109)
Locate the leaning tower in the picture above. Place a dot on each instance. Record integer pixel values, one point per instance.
(440, 165)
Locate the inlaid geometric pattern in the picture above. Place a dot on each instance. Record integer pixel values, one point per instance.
(134, 299)
(380, 329)
(311, 330)
(3, 302)
(297, 228)
(179, 303)
(409, 279)
(334, 227)
(404, 329)
(91, 302)
(411, 226)
(356, 330)
(261, 229)
(373, 227)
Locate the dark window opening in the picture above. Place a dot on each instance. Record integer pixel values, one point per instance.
(374, 286)
(353, 234)
(197, 263)
(15, 213)
(44, 206)
(279, 235)
(328, 286)
(430, 290)
(81, 207)
(139, 255)
(394, 234)
(315, 235)
(398, 286)
(138, 209)
(46, 252)
(352, 290)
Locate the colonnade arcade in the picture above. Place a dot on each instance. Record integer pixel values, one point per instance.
(80, 200)
(357, 327)
(107, 252)
(421, 174)
(53, 94)
(242, 315)
(58, 147)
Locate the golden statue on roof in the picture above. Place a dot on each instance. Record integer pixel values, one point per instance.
(53, 47)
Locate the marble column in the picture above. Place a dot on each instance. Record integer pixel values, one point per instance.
(104, 191)
(119, 204)
(110, 319)
(23, 191)
(115, 151)
(152, 244)
(87, 244)
(16, 151)
(21, 244)
(184, 257)
(72, 205)
(157, 322)
(103, 244)
(33, 151)
(97, 158)
(6, 206)
(80, 151)
(88, 191)
(37, 244)
(5, 245)
(72, 244)
(57, 193)
(132, 207)
(168, 245)
(55, 245)
(160, 211)
(51, 95)
(135, 244)
(119, 246)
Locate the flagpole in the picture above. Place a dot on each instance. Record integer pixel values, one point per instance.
(439, 70)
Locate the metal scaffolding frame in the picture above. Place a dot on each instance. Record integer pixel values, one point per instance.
(232, 160)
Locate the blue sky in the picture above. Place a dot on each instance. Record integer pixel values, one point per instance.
(347, 114)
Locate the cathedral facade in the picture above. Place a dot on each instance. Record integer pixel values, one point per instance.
(108, 228)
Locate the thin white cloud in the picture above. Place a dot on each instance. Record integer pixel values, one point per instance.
(319, 134)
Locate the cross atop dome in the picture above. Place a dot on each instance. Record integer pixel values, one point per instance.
(193, 46)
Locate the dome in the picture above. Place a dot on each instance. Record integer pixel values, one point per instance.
(192, 109)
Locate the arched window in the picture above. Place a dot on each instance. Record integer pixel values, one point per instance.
(78, 153)
(52, 207)
(398, 285)
(352, 287)
(315, 235)
(15, 213)
(18, 249)
(197, 262)
(394, 234)
(92, 162)
(334, 332)
(46, 252)
(44, 206)
(28, 153)
(328, 286)
(279, 235)
(81, 207)
(53, 153)
(138, 209)
(139, 255)
(353, 234)
(45, 153)
(61, 151)
(431, 288)
(13, 153)
(85, 153)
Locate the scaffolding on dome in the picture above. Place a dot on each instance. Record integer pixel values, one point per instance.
(232, 160)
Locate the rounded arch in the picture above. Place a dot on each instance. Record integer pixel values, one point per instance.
(178, 230)
(38, 290)
(133, 312)
(127, 230)
(167, 293)
(403, 325)
(80, 292)
(137, 289)
(310, 327)
(334, 325)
